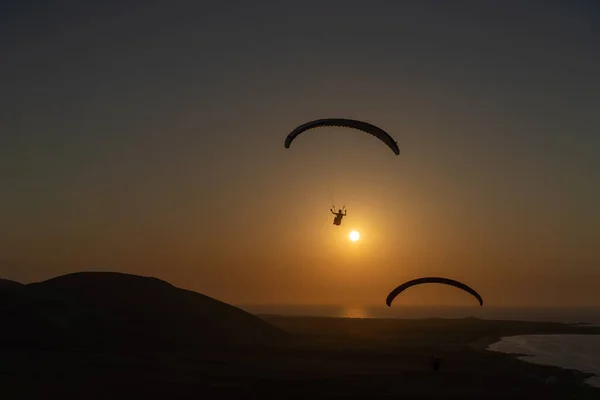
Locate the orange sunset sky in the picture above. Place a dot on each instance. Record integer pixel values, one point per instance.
(150, 141)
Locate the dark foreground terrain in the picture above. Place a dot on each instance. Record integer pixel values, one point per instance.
(300, 357)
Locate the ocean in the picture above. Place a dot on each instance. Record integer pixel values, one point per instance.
(580, 352)
(567, 315)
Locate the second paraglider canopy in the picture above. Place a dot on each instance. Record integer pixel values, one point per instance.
(431, 279)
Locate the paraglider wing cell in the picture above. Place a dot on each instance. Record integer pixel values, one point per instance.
(443, 281)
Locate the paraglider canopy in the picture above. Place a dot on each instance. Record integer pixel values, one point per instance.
(443, 281)
(347, 123)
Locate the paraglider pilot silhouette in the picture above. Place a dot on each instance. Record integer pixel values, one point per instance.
(337, 220)
(346, 123)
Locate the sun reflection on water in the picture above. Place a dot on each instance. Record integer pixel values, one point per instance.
(355, 312)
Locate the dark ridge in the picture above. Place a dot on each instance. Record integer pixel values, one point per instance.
(110, 309)
(7, 283)
(8, 289)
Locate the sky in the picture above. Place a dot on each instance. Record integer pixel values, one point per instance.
(147, 137)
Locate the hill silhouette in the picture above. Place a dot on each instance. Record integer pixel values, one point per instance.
(110, 309)
(8, 289)
(7, 283)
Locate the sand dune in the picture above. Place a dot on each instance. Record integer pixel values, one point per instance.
(115, 309)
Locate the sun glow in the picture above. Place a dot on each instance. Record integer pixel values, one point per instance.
(354, 236)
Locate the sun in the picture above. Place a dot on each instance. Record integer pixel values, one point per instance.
(354, 236)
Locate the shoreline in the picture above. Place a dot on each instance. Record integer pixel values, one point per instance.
(575, 379)
(535, 359)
